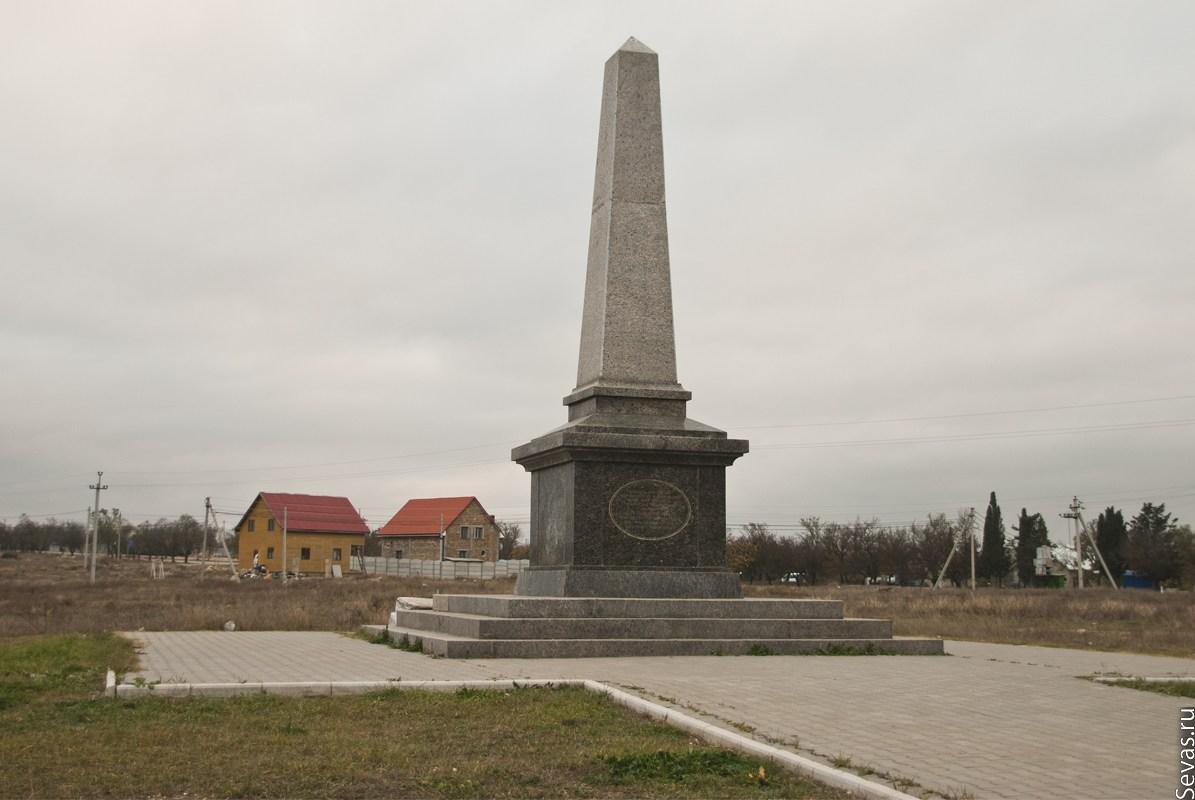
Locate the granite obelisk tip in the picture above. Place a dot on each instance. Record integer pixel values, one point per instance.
(633, 45)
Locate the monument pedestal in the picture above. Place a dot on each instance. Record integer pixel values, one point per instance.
(508, 626)
(628, 504)
(606, 582)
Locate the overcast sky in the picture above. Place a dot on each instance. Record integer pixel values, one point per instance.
(920, 251)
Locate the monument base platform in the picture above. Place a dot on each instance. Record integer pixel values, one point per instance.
(603, 582)
(511, 626)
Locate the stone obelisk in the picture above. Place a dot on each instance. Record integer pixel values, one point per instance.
(628, 499)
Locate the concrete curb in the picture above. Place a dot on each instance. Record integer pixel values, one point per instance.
(831, 776)
(318, 688)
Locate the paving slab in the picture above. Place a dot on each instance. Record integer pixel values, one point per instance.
(279, 656)
(988, 720)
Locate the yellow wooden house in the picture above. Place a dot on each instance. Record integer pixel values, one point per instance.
(321, 532)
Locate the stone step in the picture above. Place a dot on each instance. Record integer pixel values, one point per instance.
(505, 605)
(449, 646)
(475, 626)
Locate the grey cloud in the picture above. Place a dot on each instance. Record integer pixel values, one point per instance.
(277, 234)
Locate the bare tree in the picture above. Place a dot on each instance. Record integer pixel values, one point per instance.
(509, 534)
(934, 541)
(811, 549)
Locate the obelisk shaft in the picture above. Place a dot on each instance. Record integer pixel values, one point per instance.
(627, 338)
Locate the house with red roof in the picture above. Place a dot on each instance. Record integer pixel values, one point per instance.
(321, 531)
(435, 528)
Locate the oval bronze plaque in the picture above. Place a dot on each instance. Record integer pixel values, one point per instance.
(650, 509)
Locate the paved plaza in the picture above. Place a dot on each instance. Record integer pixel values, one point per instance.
(987, 720)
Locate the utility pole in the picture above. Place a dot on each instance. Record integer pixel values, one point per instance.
(1076, 513)
(98, 486)
(954, 546)
(949, 558)
(209, 525)
(971, 534)
(443, 545)
(207, 512)
(1079, 545)
(116, 521)
(946, 566)
(87, 540)
(284, 565)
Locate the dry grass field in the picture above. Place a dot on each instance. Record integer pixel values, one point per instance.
(48, 593)
(1093, 619)
(43, 593)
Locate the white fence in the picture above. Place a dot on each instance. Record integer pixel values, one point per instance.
(412, 567)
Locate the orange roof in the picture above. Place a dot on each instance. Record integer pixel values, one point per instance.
(312, 512)
(425, 516)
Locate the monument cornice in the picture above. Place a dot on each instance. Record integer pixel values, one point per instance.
(561, 447)
(653, 392)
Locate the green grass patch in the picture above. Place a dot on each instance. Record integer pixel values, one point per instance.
(1169, 688)
(848, 650)
(32, 667)
(381, 637)
(679, 767)
(59, 738)
(403, 642)
(407, 644)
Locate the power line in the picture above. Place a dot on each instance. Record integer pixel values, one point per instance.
(280, 467)
(330, 477)
(970, 437)
(55, 514)
(35, 481)
(969, 414)
(884, 509)
(324, 464)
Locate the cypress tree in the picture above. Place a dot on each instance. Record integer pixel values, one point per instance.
(1031, 534)
(1153, 547)
(994, 563)
(1112, 537)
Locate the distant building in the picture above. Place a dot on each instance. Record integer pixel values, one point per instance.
(318, 529)
(1057, 566)
(432, 528)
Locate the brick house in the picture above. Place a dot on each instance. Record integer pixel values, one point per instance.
(433, 527)
(318, 529)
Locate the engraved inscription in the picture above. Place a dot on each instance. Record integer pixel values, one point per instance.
(650, 509)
